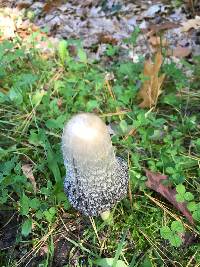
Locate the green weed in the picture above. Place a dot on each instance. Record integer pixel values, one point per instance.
(37, 96)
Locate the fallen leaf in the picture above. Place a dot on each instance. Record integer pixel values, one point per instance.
(28, 172)
(59, 102)
(43, 250)
(152, 10)
(180, 52)
(107, 39)
(163, 26)
(132, 132)
(52, 5)
(87, 3)
(155, 182)
(72, 50)
(151, 88)
(22, 5)
(157, 41)
(191, 24)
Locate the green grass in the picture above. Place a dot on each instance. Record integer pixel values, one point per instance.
(37, 96)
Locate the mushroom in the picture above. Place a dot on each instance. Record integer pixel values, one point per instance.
(95, 178)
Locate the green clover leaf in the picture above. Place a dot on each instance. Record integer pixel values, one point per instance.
(177, 226)
(166, 232)
(175, 241)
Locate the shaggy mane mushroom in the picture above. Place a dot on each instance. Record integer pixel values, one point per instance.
(95, 178)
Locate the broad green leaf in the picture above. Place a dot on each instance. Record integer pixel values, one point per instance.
(15, 95)
(146, 263)
(52, 210)
(108, 262)
(166, 232)
(50, 214)
(180, 188)
(180, 198)
(111, 50)
(177, 226)
(34, 203)
(25, 80)
(37, 97)
(157, 134)
(57, 123)
(63, 52)
(39, 214)
(123, 125)
(134, 35)
(24, 205)
(175, 241)
(196, 215)
(7, 166)
(188, 196)
(52, 162)
(92, 104)
(4, 196)
(61, 197)
(170, 170)
(26, 227)
(82, 55)
(36, 138)
(192, 206)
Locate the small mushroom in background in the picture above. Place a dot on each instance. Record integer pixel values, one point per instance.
(95, 178)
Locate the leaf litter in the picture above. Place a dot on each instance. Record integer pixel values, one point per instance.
(109, 22)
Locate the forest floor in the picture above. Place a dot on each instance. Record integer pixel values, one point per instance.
(137, 66)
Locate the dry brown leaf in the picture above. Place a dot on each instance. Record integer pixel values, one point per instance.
(28, 172)
(157, 41)
(151, 88)
(107, 39)
(191, 24)
(155, 182)
(60, 102)
(72, 50)
(51, 5)
(180, 52)
(163, 27)
(22, 5)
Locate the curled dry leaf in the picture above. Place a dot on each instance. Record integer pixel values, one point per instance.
(155, 182)
(157, 41)
(59, 102)
(28, 172)
(191, 24)
(107, 39)
(52, 5)
(180, 52)
(151, 88)
(163, 26)
(22, 4)
(43, 250)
